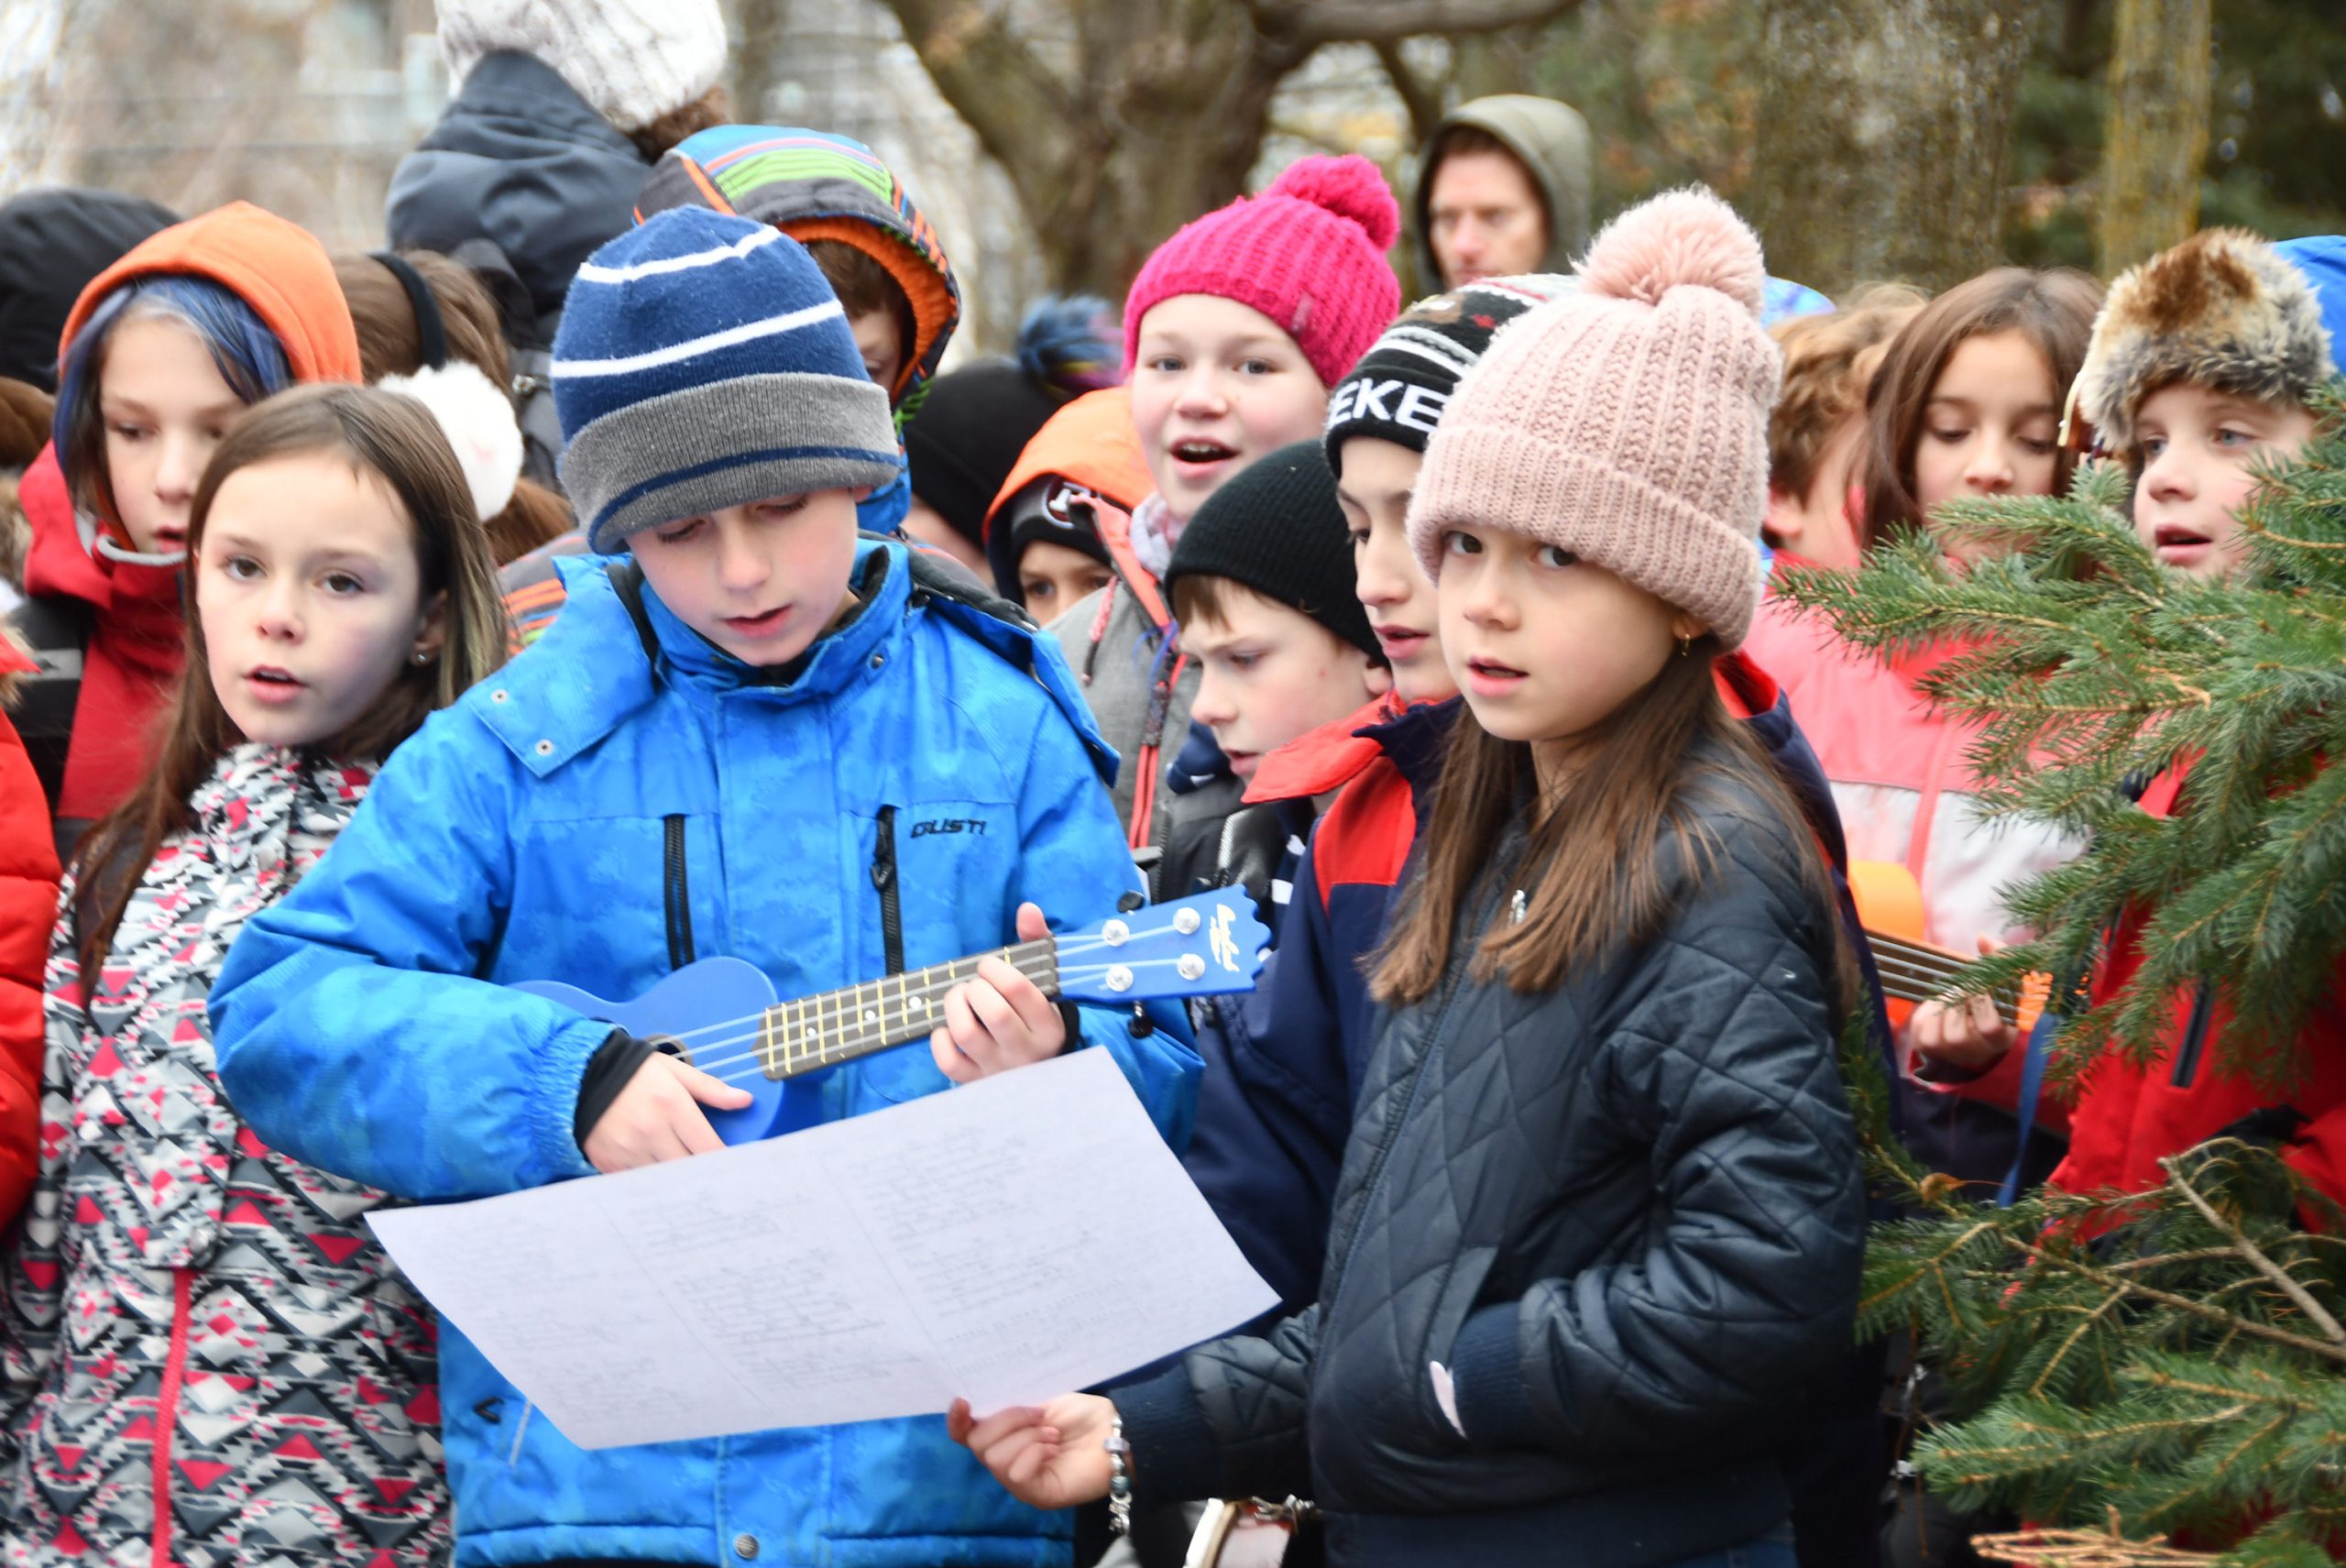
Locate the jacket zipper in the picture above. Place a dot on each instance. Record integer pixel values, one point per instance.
(167, 1413)
(677, 896)
(883, 877)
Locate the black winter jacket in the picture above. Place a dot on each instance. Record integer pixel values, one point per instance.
(1627, 1213)
(518, 159)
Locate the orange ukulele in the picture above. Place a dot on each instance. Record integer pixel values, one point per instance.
(1889, 907)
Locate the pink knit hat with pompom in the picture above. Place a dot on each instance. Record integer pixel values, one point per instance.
(1627, 422)
(1309, 253)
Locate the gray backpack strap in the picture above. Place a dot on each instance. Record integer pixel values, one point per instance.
(534, 405)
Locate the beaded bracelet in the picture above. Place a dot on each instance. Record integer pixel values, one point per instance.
(1120, 1480)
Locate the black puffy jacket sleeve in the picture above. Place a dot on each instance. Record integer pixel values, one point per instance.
(1227, 1419)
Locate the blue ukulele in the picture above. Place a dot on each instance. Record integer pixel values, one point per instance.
(722, 1014)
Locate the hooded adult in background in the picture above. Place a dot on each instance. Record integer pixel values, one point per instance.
(1549, 145)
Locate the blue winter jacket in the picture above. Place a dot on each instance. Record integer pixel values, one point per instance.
(525, 834)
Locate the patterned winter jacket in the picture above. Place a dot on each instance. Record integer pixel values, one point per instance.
(187, 1311)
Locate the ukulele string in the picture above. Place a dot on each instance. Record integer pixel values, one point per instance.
(1917, 952)
(1019, 954)
(853, 1029)
(1902, 987)
(769, 1044)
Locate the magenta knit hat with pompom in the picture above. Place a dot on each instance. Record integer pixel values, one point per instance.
(1627, 422)
(1309, 253)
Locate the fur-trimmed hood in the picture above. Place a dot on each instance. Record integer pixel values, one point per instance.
(2223, 310)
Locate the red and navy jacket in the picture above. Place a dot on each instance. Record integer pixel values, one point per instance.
(1284, 1063)
(2130, 1114)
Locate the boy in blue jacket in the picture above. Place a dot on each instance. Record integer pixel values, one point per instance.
(727, 744)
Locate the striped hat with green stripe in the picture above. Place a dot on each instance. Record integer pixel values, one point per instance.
(812, 185)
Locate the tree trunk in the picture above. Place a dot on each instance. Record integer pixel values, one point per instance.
(2154, 142)
(758, 56)
(1158, 122)
(1885, 130)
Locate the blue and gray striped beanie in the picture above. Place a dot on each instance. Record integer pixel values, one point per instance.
(703, 362)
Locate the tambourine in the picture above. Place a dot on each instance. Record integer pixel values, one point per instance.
(1246, 1532)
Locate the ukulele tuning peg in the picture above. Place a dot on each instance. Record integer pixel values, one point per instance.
(1190, 967)
(1186, 922)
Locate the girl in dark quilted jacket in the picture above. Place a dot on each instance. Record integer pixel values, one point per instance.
(207, 1359)
(1600, 1211)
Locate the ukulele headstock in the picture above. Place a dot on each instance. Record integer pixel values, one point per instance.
(1208, 944)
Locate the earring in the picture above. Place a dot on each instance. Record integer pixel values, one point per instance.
(1685, 646)
(422, 658)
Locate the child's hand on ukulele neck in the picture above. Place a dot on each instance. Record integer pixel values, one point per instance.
(1968, 1034)
(657, 1116)
(1000, 1019)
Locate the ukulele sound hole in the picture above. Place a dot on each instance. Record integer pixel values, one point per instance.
(668, 1045)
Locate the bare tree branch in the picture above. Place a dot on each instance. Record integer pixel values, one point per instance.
(1418, 96)
(1368, 21)
(986, 72)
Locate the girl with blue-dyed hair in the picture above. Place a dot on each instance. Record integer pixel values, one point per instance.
(161, 354)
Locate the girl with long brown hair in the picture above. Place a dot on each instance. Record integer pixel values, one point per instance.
(342, 591)
(1600, 1211)
(1965, 404)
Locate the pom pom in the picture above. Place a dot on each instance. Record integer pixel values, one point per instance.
(1351, 187)
(1680, 239)
(1070, 343)
(477, 419)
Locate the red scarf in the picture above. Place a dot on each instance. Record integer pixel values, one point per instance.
(136, 650)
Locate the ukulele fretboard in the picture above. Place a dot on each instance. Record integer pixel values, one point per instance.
(816, 1032)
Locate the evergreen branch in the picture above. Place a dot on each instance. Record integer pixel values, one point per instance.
(2201, 1310)
(2254, 1255)
(2061, 1352)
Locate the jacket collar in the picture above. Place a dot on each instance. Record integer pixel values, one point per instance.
(590, 671)
(1327, 758)
(1416, 741)
(523, 94)
(836, 659)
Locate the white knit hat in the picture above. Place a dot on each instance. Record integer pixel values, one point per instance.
(632, 60)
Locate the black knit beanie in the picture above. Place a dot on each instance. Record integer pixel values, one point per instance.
(967, 438)
(51, 244)
(1276, 528)
(974, 423)
(1398, 388)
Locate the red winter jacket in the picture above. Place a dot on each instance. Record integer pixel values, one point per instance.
(2127, 1117)
(27, 912)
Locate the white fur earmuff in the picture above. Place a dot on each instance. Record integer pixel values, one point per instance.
(479, 421)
